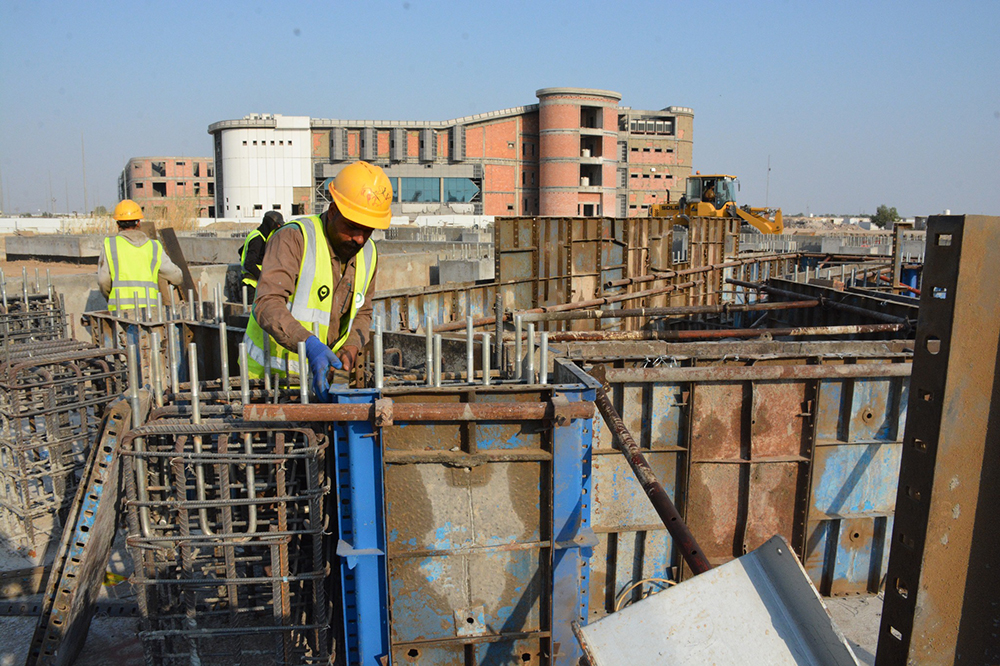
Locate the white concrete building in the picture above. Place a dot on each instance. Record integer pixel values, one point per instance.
(262, 162)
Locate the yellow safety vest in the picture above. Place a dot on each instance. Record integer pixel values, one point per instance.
(247, 278)
(311, 302)
(134, 271)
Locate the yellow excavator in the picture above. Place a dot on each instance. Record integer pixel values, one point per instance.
(715, 196)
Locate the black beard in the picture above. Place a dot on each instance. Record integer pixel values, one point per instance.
(346, 251)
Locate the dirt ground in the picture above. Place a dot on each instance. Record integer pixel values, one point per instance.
(13, 268)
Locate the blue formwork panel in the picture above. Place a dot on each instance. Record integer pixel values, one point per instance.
(487, 533)
(360, 533)
(854, 479)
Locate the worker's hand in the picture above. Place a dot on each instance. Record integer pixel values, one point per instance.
(321, 359)
(348, 355)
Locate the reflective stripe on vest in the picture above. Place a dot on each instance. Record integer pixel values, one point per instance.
(311, 303)
(134, 271)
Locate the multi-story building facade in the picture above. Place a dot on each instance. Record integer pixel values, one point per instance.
(167, 187)
(575, 152)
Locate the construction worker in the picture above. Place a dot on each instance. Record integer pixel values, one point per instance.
(131, 264)
(252, 252)
(317, 279)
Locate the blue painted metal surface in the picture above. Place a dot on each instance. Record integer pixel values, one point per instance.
(361, 535)
(572, 533)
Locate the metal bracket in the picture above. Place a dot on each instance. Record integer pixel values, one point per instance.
(348, 551)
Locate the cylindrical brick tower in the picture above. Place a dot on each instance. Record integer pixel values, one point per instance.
(578, 132)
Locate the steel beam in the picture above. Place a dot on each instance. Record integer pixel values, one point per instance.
(941, 599)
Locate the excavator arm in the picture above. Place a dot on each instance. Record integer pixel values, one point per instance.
(758, 218)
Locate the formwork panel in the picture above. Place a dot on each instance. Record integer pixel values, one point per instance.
(771, 503)
(855, 479)
(717, 421)
(778, 423)
(714, 509)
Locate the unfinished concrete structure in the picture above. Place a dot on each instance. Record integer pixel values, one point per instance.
(170, 187)
(765, 394)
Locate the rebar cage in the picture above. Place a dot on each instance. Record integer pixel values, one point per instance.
(52, 397)
(226, 533)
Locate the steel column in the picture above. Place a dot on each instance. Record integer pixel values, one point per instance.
(941, 600)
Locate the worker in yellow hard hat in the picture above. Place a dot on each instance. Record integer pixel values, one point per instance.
(317, 279)
(131, 263)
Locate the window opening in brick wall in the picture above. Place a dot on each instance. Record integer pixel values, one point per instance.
(211, 172)
(510, 207)
(179, 163)
(159, 168)
(160, 189)
(197, 189)
(197, 169)
(138, 186)
(180, 183)
(211, 188)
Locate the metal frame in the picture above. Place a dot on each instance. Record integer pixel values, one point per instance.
(941, 590)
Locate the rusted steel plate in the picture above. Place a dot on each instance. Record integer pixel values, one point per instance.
(779, 419)
(771, 502)
(714, 509)
(717, 421)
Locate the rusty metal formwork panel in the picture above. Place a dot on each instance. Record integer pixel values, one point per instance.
(942, 604)
(226, 534)
(51, 406)
(751, 440)
(408, 309)
(488, 531)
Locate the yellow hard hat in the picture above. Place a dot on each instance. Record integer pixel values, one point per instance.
(127, 210)
(363, 194)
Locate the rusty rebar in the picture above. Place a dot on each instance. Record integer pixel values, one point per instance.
(430, 411)
(824, 301)
(679, 310)
(686, 543)
(601, 336)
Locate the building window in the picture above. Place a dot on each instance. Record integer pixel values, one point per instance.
(258, 206)
(524, 153)
(459, 190)
(510, 144)
(289, 142)
(211, 171)
(281, 143)
(272, 142)
(159, 189)
(197, 169)
(524, 177)
(211, 189)
(244, 143)
(237, 206)
(138, 186)
(180, 183)
(510, 207)
(136, 166)
(179, 163)
(525, 205)
(420, 190)
(197, 189)
(159, 168)
(276, 206)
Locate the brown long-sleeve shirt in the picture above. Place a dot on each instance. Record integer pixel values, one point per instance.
(278, 276)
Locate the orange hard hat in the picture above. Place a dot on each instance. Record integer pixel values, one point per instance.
(363, 193)
(127, 210)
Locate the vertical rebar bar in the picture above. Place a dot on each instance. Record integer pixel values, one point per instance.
(24, 285)
(191, 305)
(154, 368)
(173, 358)
(470, 350)
(498, 335)
(429, 350)
(246, 305)
(543, 361)
(303, 374)
(518, 358)
(244, 376)
(48, 282)
(437, 360)
(224, 358)
(486, 359)
(199, 468)
(132, 362)
(530, 374)
(378, 353)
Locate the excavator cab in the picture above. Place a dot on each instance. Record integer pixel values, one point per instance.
(714, 195)
(715, 190)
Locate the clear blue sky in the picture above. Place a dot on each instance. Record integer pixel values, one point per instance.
(856, 103)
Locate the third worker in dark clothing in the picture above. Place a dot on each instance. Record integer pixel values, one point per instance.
(252, 252)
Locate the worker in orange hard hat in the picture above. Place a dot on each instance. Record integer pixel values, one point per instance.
(316, 282)
(131, 263)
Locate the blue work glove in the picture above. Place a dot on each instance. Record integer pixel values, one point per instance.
(321, 359)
